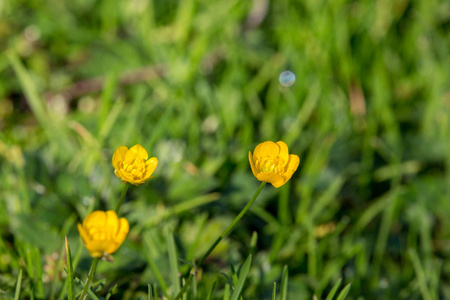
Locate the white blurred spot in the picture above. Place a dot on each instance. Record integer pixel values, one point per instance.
(384, 283)
(287, 78)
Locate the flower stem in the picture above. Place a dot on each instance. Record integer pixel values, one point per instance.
(122, 196)
(89, 279)
(221, 237)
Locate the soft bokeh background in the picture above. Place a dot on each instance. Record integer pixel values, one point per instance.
(196, 82)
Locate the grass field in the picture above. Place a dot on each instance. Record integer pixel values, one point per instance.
(196, 82)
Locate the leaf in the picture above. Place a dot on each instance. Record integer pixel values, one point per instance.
(242, 278)
(344, 292)
(333, 290)
(274, 292)
(284, 283)
(173, 264)
(19, 283)
(71, 293)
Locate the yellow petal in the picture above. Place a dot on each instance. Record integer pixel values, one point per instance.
(275, 179)
(96, 254)
(123, 230)
(84, 235)
(95, 218)
(96, 248)
(150, 166)
(252, 164)
(112, 247)
(292, 163)
(125, 176)
(284, 152)
(291, 166)
(118, 156)
(112, 222)
(136, 152)
(266, 149)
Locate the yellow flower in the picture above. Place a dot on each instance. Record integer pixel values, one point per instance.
(103, 232)
(132, 165)
(271, 162)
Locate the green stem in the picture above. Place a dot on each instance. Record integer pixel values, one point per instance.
(122, 196)
(89, 279)
(221, 237)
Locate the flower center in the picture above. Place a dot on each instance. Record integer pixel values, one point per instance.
(135, 167)
(271, 165)
(101, 233)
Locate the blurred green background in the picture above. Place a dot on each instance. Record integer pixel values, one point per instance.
(196, 82)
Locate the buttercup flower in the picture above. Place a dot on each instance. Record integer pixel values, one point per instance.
(132, 165)
(103, 232)
(271, 162)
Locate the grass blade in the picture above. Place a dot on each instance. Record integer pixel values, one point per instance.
(420, 274)
(284, 283)
(71, 293)
(344, 292)
(38, 265)
(253, 242)
(274, 293)
(154, 267)
(156, 291)
(226, 292)
(173, 261)
(19, 283)
(38, 106)
(334, 290)
(211, 291)
(111, 292)
(242, 278)
(81, 285)
(150, 296)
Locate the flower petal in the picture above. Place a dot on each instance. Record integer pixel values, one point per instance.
(252, 164)
(266, 149)
(84, 235)
(284, 152)
(124, 228)
(118, 156)
(125, 176)
(95, 218)
(112, 222)
(150, 166)
(275, 179)
(291, 166)
(96, 248)
(136, 152)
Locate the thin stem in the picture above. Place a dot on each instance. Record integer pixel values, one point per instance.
(122, 196)
(89, 279)
(221, 237)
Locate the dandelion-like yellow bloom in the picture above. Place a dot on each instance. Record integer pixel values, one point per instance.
(132, 165)
(271, 162)
(103, 232)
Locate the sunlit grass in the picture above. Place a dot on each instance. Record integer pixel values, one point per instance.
(196, 83)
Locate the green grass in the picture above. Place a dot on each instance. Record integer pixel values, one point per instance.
(196, 83)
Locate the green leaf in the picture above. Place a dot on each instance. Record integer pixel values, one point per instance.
(150, 296)
(211, 291)
(81, 285)
(173, 261)
(71, 293)
(226, 292)
(19, 283)
(242, 278)
(284, 283)
(333, 290)
(344, 292)
(274, 292)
